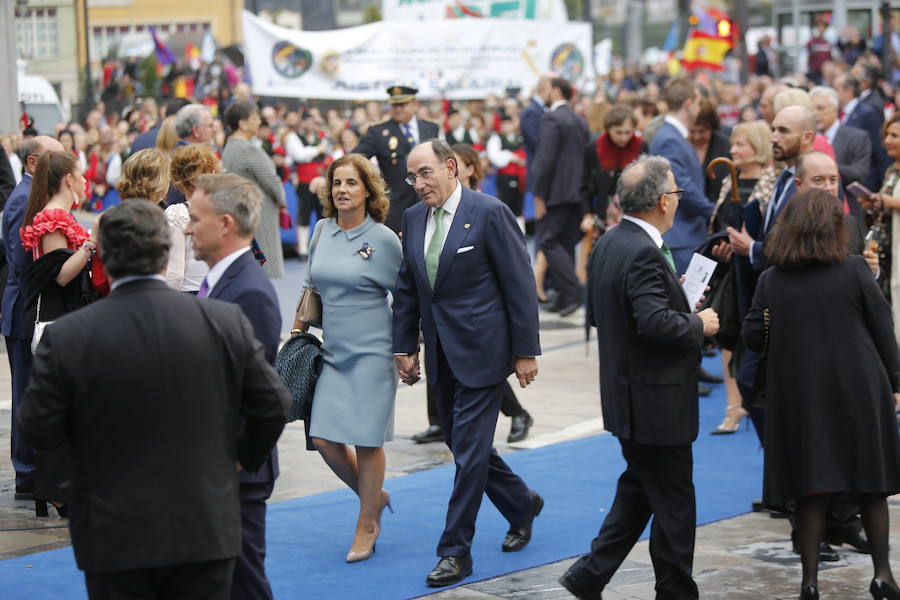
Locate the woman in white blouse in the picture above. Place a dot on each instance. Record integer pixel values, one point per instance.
(184, 273)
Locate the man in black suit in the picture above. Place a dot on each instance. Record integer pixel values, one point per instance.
(852, 147)
(868, 75)
(391, 141)
(557, 200)
(224, 214)
(161, 398)
(650, 343)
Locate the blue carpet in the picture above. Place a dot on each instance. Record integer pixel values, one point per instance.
(308, 537)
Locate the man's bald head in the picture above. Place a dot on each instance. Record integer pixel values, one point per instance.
(31, 150)
(817, 170)
(793, 132)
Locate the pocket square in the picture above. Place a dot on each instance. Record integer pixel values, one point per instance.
(465, 249)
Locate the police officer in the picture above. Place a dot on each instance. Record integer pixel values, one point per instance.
(390, 141)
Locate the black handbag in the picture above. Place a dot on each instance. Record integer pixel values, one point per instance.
(299, 363)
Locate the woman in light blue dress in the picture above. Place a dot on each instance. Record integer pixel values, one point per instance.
(353, 263)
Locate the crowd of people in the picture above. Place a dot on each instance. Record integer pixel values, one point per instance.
(421, 212)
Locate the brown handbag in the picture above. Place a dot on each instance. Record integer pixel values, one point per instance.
(309, 309)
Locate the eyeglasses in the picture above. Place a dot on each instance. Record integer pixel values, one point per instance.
(678, 193)
(423, 173)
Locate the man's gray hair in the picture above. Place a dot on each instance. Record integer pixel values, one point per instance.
(830, 93)
(187, 118)
(642, 183)
(134, 239)
(29, 147)
(233, 195)
(442, 151)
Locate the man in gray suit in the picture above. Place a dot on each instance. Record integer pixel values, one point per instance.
(852, 147)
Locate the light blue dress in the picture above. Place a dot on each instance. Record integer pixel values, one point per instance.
(354, 399)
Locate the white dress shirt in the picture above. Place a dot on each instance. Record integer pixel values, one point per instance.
(218, 269)
(413, 129)
(652, 231)
(557, 104)
(832, 131)
(849, 108)
(449, 207)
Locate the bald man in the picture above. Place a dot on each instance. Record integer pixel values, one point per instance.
(12, 311)
(793, 132)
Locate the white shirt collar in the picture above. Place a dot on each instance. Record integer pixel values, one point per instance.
(128, 279)
(849, 108)
(674, 122)
(452, 202)
(539, 100)
(557, 104)
(832, 131)
(652, 231)
(218, 269)
(865, 94)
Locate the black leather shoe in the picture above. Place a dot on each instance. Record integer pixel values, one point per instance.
(567, 309)
(707, 377)
(576, 588)
(432, 434)
(855, 539)
(24, 491)
(518, 537)
(450, 570)
(703, 390)
(518, 430)
(881, 590)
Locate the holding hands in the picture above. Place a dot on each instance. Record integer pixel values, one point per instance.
(408, 367)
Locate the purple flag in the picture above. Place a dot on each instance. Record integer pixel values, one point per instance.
(164, 56)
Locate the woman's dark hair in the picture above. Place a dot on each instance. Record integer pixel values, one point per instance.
(237, 112)
(809, 232)
(708, 115)
(470, 157)
(618, 115)
(51, 169)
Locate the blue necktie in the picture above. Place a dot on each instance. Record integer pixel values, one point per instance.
(407, 131)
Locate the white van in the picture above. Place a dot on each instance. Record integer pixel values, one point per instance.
(39, 100)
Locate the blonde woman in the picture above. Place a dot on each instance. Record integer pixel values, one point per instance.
(167, 138)
(184, 273)
(751, 152)
(145, 176)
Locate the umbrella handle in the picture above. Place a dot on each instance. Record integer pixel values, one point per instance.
(710, 172)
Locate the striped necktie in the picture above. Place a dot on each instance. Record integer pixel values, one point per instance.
(407, 131)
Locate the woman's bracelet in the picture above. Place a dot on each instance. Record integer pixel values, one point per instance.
(89, 246)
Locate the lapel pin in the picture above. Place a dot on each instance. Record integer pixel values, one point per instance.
(467, 225)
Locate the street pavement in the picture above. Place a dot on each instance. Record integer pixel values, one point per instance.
(743, 558)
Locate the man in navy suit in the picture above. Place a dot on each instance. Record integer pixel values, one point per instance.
(467, 278)
(148, 138)
(691, 220)
(530, 124)
(857, 113)
(224, 214)
(12, 313)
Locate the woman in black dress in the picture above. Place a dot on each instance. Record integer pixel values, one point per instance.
(832, 371)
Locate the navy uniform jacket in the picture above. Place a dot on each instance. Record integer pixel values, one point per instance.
(483, 307)
(385, 141)
(244, 283)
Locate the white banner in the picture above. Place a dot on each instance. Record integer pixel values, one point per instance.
(444, 59)
(430, 10)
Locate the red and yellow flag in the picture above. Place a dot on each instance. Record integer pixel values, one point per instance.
(705, 51)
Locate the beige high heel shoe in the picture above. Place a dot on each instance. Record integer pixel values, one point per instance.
(367, 546)
(734, 413)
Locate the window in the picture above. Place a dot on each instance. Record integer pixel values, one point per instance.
(36, 34)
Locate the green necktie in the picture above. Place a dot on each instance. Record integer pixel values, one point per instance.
(669, 258)
(433, 254)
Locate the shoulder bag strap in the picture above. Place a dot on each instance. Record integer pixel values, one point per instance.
(312, 252)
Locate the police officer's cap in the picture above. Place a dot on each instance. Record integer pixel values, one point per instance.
(401, 94)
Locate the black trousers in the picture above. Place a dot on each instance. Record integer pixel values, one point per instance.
(468, 418)
(250, 581)
(306, 203)
(509, 406)
(558, 234)
(193, 581)
(658, 482)
(511, 193)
